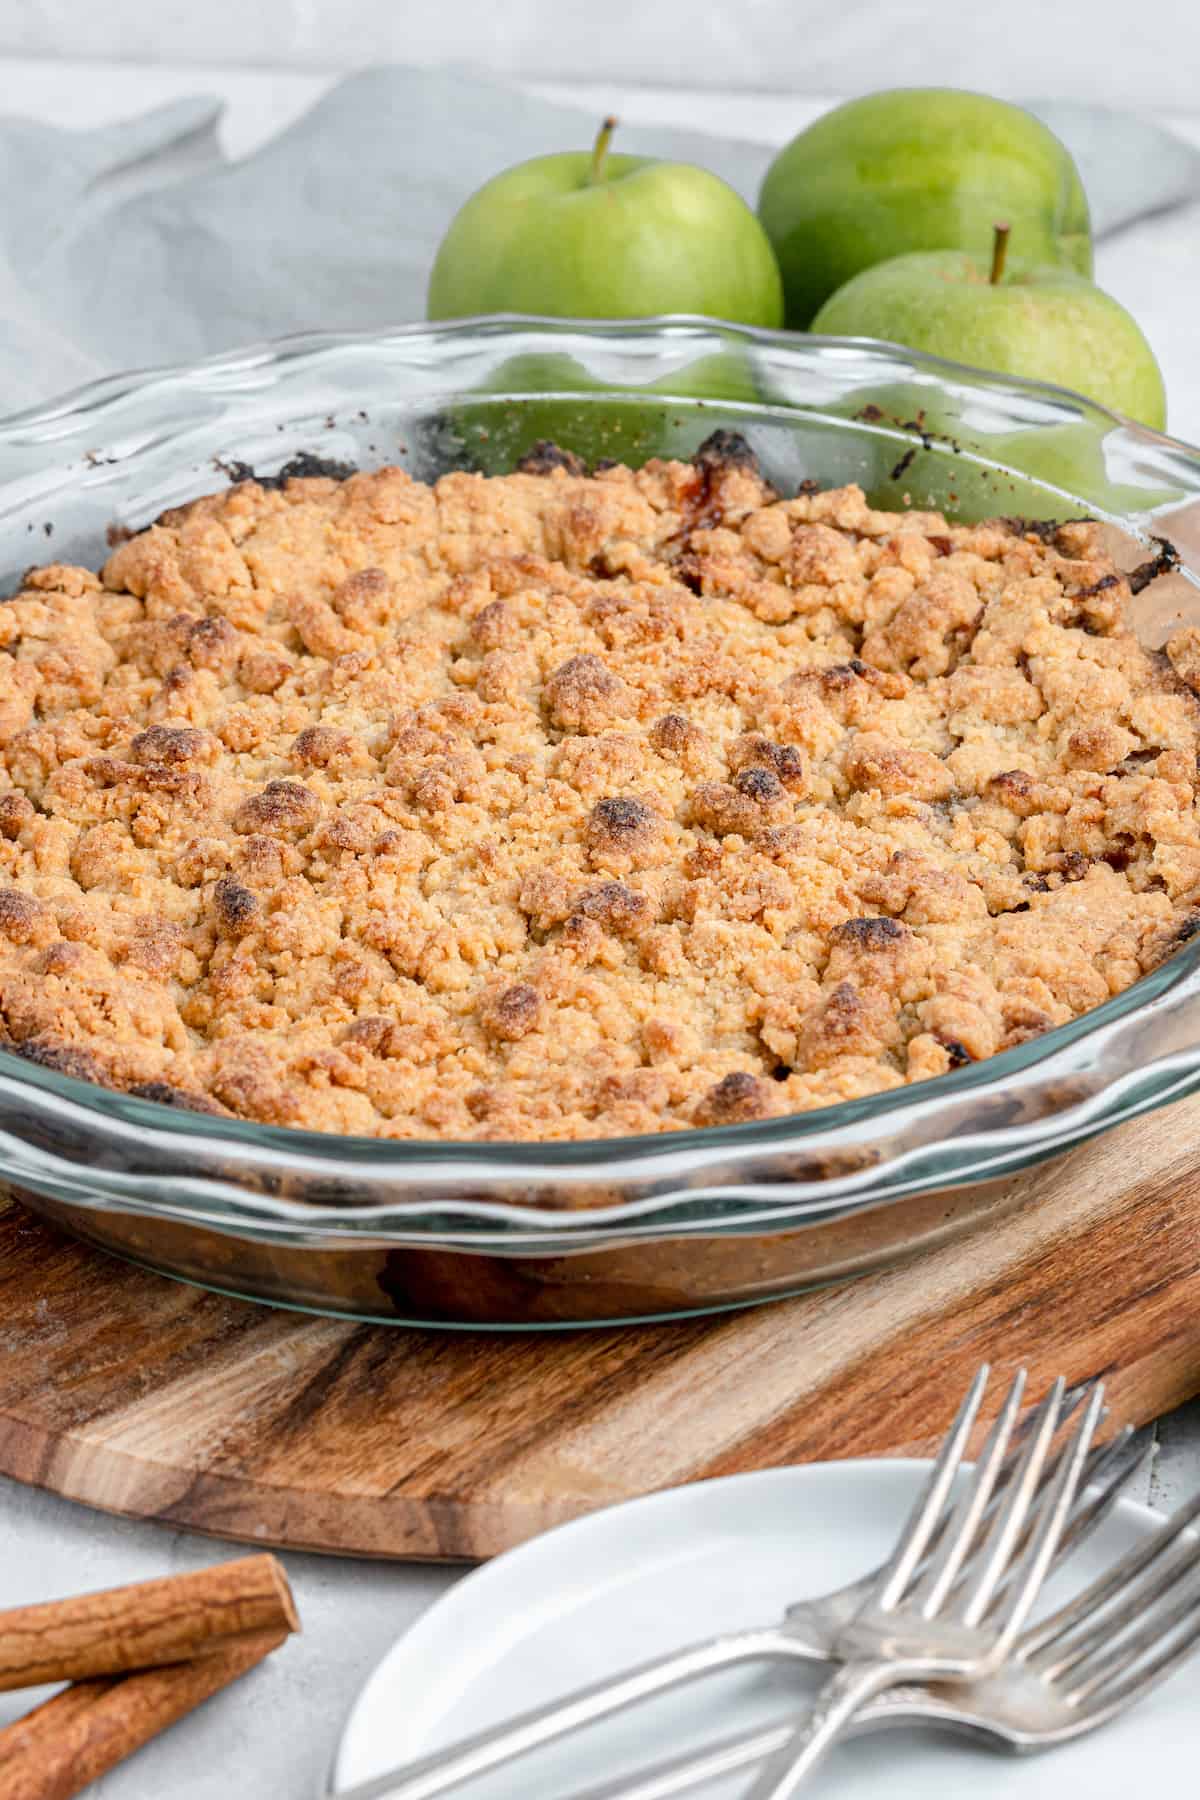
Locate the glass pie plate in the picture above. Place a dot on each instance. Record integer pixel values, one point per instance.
(543, 1235)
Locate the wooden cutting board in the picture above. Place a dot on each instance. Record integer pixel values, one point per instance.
(145, 1397)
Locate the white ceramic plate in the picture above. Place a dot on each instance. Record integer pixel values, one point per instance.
(623, 1585)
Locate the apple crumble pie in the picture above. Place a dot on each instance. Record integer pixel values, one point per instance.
(563, 805)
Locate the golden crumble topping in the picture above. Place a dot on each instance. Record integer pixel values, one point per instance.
(559, 806)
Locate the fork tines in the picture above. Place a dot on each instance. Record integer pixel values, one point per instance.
(1131, 1628)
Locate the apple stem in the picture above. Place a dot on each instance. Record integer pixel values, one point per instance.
(999, 252)
(600, 151)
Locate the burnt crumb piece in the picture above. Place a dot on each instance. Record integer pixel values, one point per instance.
(163, 1093)
(1098, 587)
(955, 1050)
(837, 677)
(170, 744)
(1099, 608)
(148, 778)
(210, 643)
(869, 934)
(905, 463)
(1015, 789)
(879, 763)
(870, 414)
(283, 806)
(544, 457)
(363, 600)
(1138, 759)
(583, 694)
(20, 915)
(1045, 529)
(115, 534)
(753, 799)
(64, 1059)
(234, 468)
(343, 836)
(620, 823)
(235, 907)
(808, 487)
(318, 745)
(370, 581)
(494, 627)
(25, 579)
(725, 450)
(264, 672)
(60, 958)
(1189, 929)
(301, 467)
(582, 936)
(16, 811)
(734, 1100)
(689, 572)
(753, 751)
(1163, 563)
(760, 785)
(511, 1014)
(374, 1033)
(305, 466)
(673, 734)
(618, 908)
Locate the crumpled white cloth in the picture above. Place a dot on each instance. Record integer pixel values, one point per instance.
(139, 243)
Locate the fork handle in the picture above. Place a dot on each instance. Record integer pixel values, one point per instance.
(472, 1757)
(903, 1707)
(846, 1692)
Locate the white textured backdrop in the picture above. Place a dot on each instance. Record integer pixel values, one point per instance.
(1142, 55)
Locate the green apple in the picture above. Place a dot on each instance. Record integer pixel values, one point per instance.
(548, 396)
(1072, 457)
(1047, 323)
(917, 169)
(597, 236)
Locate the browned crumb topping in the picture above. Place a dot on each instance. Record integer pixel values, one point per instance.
(559, 806)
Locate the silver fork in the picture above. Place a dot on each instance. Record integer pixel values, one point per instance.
(1071, 1673)
(921, 1623)
(805, 1634)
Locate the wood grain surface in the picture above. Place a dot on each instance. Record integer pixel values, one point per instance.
(145, 1397)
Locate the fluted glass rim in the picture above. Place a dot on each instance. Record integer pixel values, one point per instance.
(86, 398)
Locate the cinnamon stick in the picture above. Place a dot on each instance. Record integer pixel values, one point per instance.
(146, 1625)
(71, 1740)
